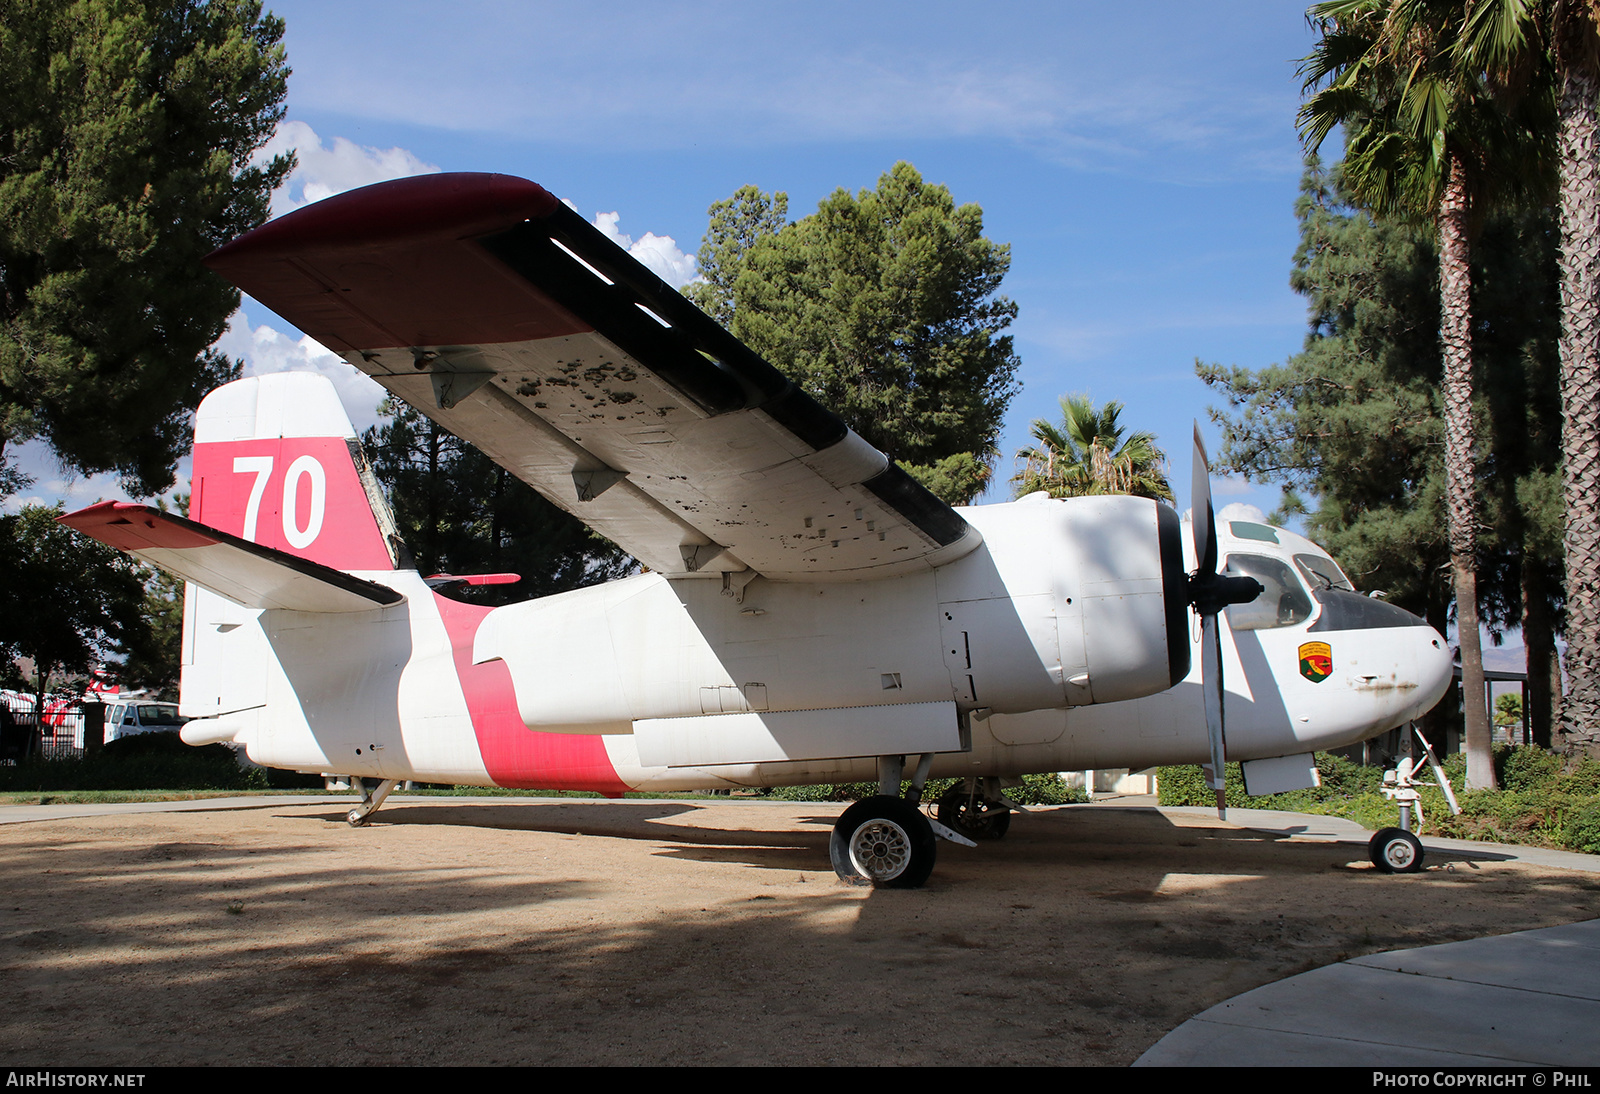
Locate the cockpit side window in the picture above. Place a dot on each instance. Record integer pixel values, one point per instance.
(1283, 601)
(1322, 572)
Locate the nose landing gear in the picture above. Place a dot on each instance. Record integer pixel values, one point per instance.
(1396, 850)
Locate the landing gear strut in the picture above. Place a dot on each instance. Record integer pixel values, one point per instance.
(370, 800)
(885, 840)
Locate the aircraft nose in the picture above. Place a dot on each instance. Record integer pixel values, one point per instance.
(1435, 669)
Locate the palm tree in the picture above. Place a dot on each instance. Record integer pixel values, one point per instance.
(1575, 33)
(1087, 454)
(1427, 138)
(1549, 50)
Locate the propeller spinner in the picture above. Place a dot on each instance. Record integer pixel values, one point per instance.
(1209, 593)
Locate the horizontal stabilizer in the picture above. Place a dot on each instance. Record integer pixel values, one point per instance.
(244, 572)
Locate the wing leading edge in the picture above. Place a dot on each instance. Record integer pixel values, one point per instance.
(506, 317)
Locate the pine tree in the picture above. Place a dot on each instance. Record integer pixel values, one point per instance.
(883, 305)
(126, 155)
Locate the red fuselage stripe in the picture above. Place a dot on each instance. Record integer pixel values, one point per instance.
(513, 754)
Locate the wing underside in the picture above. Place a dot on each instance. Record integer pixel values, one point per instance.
(504, 316)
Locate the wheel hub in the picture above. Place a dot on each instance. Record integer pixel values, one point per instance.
(881, 850)
(1399, 854)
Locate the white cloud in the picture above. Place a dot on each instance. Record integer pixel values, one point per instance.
(262, 350)
(324, 170)
(1240, 510)
(659, 254)
(265, 350)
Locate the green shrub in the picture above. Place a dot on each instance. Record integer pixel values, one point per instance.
(1186, 785)
(1582, 831)
(1585, 778)
(1544, 801)
(147, 761)
(1525, 767)
(1047, 788)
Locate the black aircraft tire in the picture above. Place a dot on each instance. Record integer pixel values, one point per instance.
(972, 816)
(1395, 851)
(885, 842)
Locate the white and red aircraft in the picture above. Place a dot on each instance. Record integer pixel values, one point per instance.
(809, 613)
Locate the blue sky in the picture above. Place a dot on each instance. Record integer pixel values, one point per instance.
(1141, 162)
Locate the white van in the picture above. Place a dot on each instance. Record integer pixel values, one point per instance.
(134, 716)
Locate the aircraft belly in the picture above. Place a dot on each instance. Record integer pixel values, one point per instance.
(776, 736)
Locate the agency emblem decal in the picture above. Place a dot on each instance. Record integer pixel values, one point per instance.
(1316, 661)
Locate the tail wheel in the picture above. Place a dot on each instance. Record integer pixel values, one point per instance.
(1395, 851)
(885, 842)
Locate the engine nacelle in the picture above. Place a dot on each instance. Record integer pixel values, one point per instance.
(1070, 602)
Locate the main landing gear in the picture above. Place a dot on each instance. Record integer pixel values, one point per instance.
(977, 809)
(885, 840)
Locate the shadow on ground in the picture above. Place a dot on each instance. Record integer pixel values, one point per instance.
(675, 933)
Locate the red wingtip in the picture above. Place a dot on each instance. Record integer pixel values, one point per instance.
(392, 265)
(420, 207)
(128, 526)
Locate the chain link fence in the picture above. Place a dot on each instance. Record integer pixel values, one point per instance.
(56, 732)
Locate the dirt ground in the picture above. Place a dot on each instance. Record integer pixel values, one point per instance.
(677, 933)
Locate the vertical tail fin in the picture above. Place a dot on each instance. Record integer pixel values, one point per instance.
(276, 462)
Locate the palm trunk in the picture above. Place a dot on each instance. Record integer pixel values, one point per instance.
(1461, 486)
(1539, 640)
(1580, 403)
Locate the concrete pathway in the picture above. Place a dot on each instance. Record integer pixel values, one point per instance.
(1531, 998)
(1320, 829)
(1519, 1000)
(19, 814)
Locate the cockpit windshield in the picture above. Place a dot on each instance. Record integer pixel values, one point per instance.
(1323, 573)
(1283, 601)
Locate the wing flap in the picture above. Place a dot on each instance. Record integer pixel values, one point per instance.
(244, 572)
(506, 317)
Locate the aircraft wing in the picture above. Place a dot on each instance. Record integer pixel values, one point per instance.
(499, 312)
(244, 572)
